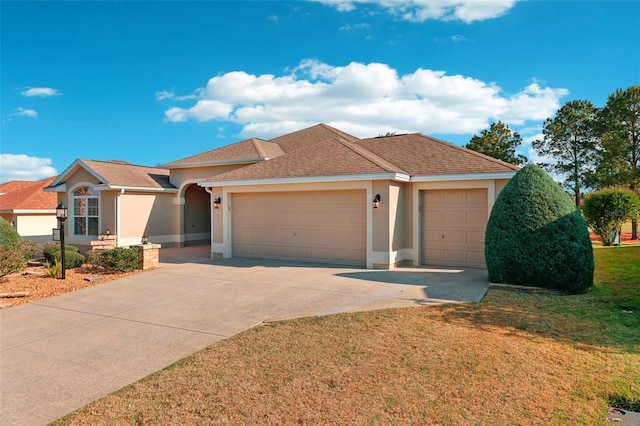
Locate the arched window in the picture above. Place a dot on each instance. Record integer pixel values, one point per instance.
(85, 211)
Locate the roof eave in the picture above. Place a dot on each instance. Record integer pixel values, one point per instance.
(464, 176)
(57, 188)
(216, 163)
(400, 177)
(132, 188)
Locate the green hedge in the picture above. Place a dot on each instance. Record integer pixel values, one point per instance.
(118, 259)
(50, 249)
(8, 235)
(72, 259)
(536, 237)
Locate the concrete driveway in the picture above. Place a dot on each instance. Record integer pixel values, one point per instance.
(61, 353)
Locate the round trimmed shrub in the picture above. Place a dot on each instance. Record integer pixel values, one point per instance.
(8, 235)
(607, 210)
(536, 237)
(72, 259)
(50, 249)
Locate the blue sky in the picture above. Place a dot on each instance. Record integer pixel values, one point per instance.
(151, 82)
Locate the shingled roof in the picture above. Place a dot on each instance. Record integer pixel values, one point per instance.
(332, 157)
(324, 151)
(27, 195)
(120, 174)
(249, 150)
(422, 155)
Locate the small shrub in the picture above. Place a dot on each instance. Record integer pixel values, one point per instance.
(8, 235)
(50, 249)
(93, 258)
(607, 210)
(11, 259)
(536, 237)
(72, 259)
(55, 270)
(120, 259)
(28, 248)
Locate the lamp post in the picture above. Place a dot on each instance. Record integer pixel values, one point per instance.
(61, 214)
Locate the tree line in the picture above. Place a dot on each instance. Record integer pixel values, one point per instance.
(592, 148)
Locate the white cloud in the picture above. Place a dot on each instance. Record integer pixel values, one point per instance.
(23, 112)
(161, 95)
(458, 38)
(24, 167)
(422, 10)
(365, 100)
(42, 92)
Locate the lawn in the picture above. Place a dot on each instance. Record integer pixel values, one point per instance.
(513, 358)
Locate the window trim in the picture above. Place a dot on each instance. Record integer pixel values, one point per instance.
(94, 195)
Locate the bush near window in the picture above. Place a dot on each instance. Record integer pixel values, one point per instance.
(72, 259)
(8, 235)
(50, 249)
(11, 259)
(536, 237)
(118, 259)
(607, 210)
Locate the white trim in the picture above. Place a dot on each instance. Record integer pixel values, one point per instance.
(197, 236)
(215, 163)
(78, 162)
(133, 188)
(30, 211)
(369, 225)
(71, 208)
(308, 179)
(118, 202)
(59, 188)
(458, 177)
(178, 201)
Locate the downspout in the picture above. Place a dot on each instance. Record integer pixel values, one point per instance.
(118, 216)
(210, 191)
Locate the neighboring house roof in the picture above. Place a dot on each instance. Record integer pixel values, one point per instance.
(247, 151)
(119, 174)
(422, 155)
(27, 195)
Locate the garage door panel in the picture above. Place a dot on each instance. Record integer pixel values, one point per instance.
(319, 226)
(460, 215)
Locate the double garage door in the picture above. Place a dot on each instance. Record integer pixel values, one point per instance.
(453, 227)
(323, 226)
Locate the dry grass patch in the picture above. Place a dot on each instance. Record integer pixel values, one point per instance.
(511, 359)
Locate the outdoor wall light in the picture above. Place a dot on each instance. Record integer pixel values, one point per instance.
(217, 202)
(145, 239)
(376, 201)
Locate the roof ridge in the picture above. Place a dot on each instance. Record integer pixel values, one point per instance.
(258, 148)
(476, 153)
(337, 131)
(374, 158)
(126, 164)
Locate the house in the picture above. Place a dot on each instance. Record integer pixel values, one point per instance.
(315, 195)
(29, 209)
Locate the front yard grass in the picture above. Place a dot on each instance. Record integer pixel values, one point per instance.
(514, 358)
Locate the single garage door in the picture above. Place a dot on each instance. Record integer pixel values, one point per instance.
(453, 226)
(324, 227)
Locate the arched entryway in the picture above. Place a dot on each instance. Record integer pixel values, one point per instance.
(197, 216)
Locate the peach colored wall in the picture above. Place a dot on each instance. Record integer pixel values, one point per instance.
(79, 176)
(401, 218)
(217, 232)
(145, 214)
(179, 176)
(381, 217)
(108, 212)
(500, 184)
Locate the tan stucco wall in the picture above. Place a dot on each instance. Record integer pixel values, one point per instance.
(145, 214)
(381, 216)
(500, 184)
(30, 225)
(108, 212)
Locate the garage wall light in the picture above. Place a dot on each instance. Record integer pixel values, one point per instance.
(217, 202)
(376, 201)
